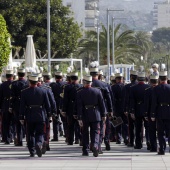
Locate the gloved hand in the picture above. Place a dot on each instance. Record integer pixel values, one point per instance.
(75, 116)
(146, 118)
(133, 116)
(80, 123)
(22, 122)
(104, 119)
(153, 119)
(63, 114)
(10, 110)
(126, 113)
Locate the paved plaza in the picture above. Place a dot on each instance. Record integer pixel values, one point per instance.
(64, 157)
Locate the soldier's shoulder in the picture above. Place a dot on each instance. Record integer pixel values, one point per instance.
(25, 89)
(80, 89)
(147, 88)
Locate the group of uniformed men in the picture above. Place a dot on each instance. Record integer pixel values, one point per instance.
(28, 106)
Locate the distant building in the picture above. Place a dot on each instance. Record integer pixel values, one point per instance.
(85, 12)
(161, 14)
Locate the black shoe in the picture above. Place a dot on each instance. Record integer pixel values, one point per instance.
(7, 143)
(153, 150)
(32, 155)
(70, 143)
(148, 146)
(44, 148)
(47, 147)
(126, 141)
(137, 147)
(53, 140)
(100, 151)
(95, 152)
(38, 151)
(19, 144)
(61, 133)
(76, 142)
(85, 154)
(107, 146)
(161, 153)
(130, 145)
(118, 142)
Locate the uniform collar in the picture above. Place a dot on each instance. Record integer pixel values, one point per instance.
(141, 82)
(33, 86)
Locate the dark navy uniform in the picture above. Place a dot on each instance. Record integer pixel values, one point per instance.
(5, 92)
(16, 88)
(152, 124)
(160, 110)
(137, 108)
(53, 112)
(69, 106)
(108, 104)
(122, 130)
(57, 91)
(34, 108)
(90, 110)
(127, 109)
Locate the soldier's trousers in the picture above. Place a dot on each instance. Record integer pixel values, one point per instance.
(152, 134)
(122, 130)
(55, 129)
(47, 131)
(35, 132)
(131, 128)
(163, 125)
(64, 120)
(107, 131)
(6, 123)
(19, 132)
(71, 129)
(94, 135)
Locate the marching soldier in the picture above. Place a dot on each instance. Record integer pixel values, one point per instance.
(133, 78)
(16, 88)
(147, 105)
(69, 108)
(118, 92)
(108, 103)
(91, 111)
(5, 92)
(34, 108)
(137, 110)
(57, 90)
(160, 110)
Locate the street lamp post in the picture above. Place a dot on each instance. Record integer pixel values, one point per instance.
(48, 36)
(108, 41)
(98, 42)
(113, 45)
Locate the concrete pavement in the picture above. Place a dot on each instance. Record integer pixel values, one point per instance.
(64, 157)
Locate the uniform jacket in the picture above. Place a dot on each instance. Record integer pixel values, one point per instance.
(34, 104)
(90, 105)
(137, 99)
(160, 107)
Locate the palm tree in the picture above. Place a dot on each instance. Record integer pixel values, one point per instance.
(125, 48)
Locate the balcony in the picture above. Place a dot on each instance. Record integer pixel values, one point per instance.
(90, 22)
(91, 14)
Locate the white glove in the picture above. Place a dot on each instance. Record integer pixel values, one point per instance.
(10, 110)
(146, 118)
(80, 123)
(153, 119)
(104, 119)
(133, 116)
(126, 113)
(22, 122)
(63, 114)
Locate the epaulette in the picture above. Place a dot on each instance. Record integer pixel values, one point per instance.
(79, 90)
(47, 86)
(25, 89)
(147, 88)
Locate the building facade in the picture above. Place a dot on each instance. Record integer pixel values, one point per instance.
(85, 12)
(161, 14)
